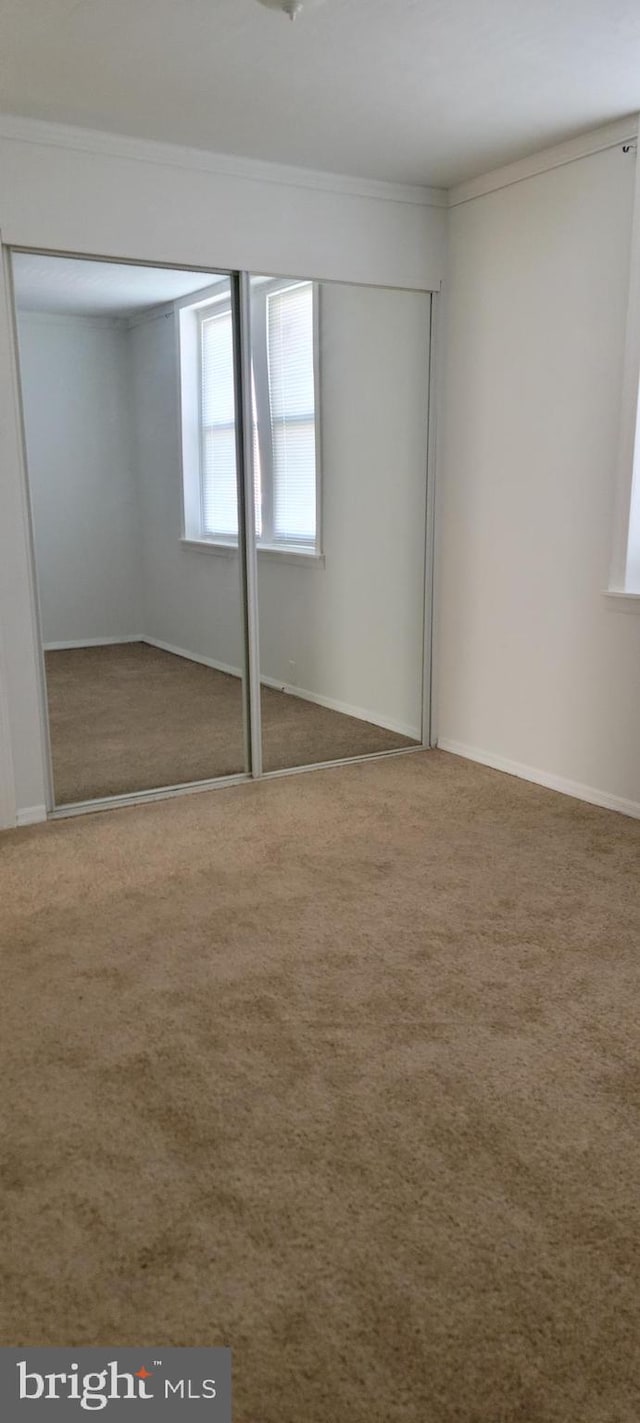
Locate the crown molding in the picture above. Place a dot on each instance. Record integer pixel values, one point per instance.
(112, 145)
(597, 140)
(103, 322)
(35, 131)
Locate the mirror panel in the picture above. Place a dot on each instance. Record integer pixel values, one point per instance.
(340, 413)
(128, 398)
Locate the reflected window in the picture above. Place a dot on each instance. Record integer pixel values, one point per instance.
(284, 360)
(217, 427)
(291, 511)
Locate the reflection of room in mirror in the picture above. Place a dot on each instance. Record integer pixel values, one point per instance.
(127, 376)
(341, 624)
(99, 373)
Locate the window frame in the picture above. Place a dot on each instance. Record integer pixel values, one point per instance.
(189, 333)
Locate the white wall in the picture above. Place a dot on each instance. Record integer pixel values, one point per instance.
(349, 630)
(77, 425)
(537, 669)
(69, 191)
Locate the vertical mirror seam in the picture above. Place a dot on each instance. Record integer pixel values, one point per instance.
(246, 481)
(429, 559)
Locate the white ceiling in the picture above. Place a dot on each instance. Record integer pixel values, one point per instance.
(419, 91)
(73, 287)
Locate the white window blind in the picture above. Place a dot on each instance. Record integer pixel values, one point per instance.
(219, 499)
(219, 496)
(283, 401)
(290, 343)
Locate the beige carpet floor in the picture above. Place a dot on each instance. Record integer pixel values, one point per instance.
(130, 717)
(341, 1070)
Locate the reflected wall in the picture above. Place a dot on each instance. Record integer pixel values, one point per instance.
(341, 584)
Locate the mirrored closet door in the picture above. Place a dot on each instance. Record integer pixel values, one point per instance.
(127, 382)
(227, 477)
(340, 415)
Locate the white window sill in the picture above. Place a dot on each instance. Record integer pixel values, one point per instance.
(290, 555)
(623, 602)
(208, 546)
(277, 555)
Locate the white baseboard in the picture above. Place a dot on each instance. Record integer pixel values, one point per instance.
(92, 642)
(192, 656)
(360, 713)
(31, 815)
(542, 778)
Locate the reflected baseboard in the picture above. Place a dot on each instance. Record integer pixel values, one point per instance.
(331, 703)
(401, 728)
(193, 656)
(93, 642)
(360, 713)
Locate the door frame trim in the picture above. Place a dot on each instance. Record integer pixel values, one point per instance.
(25, 494)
